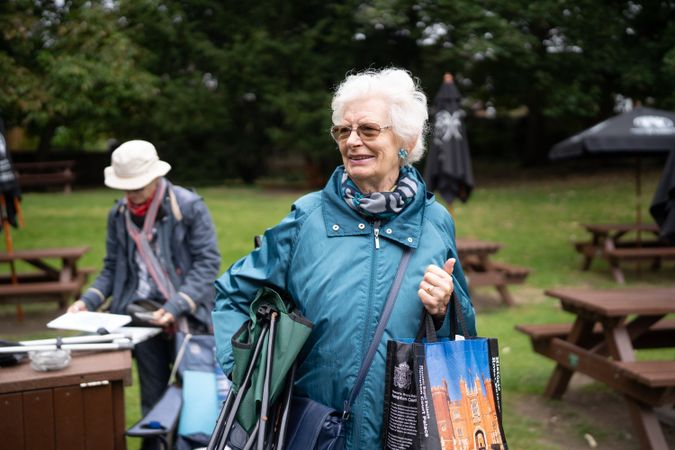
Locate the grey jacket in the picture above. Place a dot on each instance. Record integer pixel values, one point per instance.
(189, 252)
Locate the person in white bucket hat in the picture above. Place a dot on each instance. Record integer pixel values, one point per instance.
(135, 164)
(161, 259)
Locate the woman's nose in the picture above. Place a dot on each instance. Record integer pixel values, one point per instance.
(354, 138)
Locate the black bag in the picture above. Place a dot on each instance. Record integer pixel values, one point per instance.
(313, 425)
(10, 359)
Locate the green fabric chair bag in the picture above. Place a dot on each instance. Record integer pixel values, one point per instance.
(292, 331)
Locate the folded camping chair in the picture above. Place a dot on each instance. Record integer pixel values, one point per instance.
(187, 409)
(264, 350)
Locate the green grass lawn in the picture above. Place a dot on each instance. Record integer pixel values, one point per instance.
(533, 214)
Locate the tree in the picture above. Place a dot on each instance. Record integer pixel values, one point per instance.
(67, 65)
(564, 60)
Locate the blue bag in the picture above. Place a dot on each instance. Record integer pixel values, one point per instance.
(442, 393)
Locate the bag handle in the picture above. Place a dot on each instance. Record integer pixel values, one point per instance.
(428, 329)
(386, 313)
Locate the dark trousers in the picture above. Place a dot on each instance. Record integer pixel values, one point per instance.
(154, 358)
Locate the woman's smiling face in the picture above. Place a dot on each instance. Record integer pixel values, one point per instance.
(372, 163)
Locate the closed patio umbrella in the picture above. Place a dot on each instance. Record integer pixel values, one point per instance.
(10, 208)
(448, 168)
(662, 208)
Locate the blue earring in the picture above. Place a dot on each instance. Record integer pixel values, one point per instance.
(403, 154)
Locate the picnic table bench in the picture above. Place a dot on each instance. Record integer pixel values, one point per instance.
(58, 281)
(609, 241)
(49, 173)
(480, 270)
(609, 326)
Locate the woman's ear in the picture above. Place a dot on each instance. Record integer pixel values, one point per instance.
(410, 147)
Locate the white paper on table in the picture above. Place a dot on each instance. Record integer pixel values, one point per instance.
(139, 334)
(89, 321)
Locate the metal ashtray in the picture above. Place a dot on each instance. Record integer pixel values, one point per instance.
(44, 360)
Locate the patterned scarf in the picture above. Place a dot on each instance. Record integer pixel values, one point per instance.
(381, 205)
(142, 238)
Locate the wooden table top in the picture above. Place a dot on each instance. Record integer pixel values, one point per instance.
(85, 367)
(475, 245)
(40, 253)
(620, 227)
(618, 302)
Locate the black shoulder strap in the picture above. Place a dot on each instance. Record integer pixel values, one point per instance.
(379, 332)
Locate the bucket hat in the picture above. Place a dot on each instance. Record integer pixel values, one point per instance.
(134, 165)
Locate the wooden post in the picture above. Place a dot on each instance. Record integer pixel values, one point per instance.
(10, 248)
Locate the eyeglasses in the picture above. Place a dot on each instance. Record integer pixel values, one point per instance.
(365, 131)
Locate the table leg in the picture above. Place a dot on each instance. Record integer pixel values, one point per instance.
(586, 265)
(560, 378)
(619, 342)
(557, 384)
(507, 299)
(617, 273)
(589, 253)
(646, 425)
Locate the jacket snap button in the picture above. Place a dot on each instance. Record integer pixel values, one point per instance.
(410, 239)
(336, 227)
(388, 231)
(361, 226)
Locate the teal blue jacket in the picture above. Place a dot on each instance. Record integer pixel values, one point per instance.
(324, 256)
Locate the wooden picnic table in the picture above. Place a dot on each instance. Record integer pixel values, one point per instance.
(79, 407)
(57, 276)
(481, 270)
(616, 242)
(609, 325)
(46, 173)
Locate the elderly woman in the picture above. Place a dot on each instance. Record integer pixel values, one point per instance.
(337, 252)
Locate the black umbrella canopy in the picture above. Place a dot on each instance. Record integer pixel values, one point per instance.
(448, 169)
(642, 130)
(663, 203)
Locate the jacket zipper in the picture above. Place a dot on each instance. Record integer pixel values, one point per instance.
(376, 232)
(366, 342)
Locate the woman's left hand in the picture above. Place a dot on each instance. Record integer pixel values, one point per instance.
(436, 288)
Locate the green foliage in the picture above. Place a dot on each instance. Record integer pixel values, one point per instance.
(219, 86)
(68, 66)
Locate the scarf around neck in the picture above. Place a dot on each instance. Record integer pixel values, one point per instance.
(143, 237)
(141, 209)
(380, 205)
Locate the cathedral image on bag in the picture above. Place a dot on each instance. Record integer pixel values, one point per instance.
(464, 397)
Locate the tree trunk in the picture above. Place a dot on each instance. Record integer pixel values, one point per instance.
(45, 144)
(534, 133)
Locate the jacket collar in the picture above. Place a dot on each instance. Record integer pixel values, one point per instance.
(341, 220)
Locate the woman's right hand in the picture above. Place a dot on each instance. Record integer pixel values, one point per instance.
(78, 306)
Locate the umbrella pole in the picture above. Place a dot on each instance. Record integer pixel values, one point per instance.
(10, 248)
(638, 196)
(19, 213)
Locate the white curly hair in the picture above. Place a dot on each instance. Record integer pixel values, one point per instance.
(406, 102)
